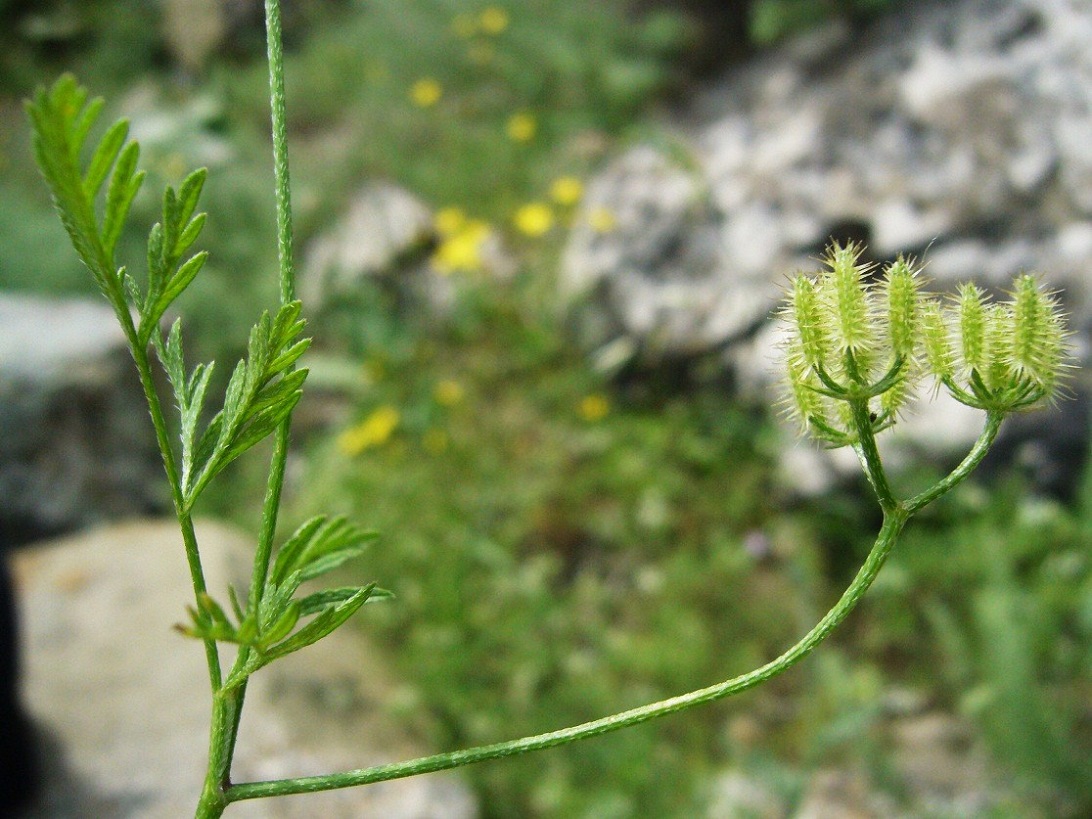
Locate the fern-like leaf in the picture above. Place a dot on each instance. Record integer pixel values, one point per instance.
(61, 118)
(262, 391)
(168, 242)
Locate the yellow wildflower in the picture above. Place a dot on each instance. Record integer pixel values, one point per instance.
(375, 430)
(426, 92)
(462, 250)
(449, 221)
(602, 220)
(534, 219)
(493, 20)
(566, 190)
(521, 127)
(594, 407)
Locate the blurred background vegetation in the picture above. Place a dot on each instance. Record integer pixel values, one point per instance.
(563, 546)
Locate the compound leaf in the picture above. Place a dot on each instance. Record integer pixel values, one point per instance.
(261, 393)
(327, 620)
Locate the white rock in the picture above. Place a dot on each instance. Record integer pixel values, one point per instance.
(77, 445)
(125, 699)
(382, 224)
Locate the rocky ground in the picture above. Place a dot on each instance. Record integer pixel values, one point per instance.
(121, 700)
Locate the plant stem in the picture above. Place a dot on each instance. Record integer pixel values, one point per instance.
(287, 287)
(270, 507)
(892, 526)
(223, 729)
(896, 515)
(279, 117)
(966, 466)
(228, 703)
(185, 519)
(212, 793)
(869, 456)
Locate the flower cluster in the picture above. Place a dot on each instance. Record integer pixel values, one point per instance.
(462, 241)
(537, 218)
(999, 357)
(858, 342)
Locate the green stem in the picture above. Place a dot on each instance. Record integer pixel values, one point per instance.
(279, 118)
(869, 455)
(212, 802)
(228, 703)
(892, 526)
(223, 729)
(275, 483)
(274, 487)
(966, 466)
(185, 519)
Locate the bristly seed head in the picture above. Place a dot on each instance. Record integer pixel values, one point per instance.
(972, 326)
(1038, 345)
(847, 297)
(939, 357)
(854, 341)
(995, 369)
(902, 285)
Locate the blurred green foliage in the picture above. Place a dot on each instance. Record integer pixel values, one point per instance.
(541, 581)
(562, 546)
(772, 20)
(1003, 593)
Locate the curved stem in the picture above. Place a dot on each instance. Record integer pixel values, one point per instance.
(887, 381)
(966, 466)
(835, 390)
(892, 526)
